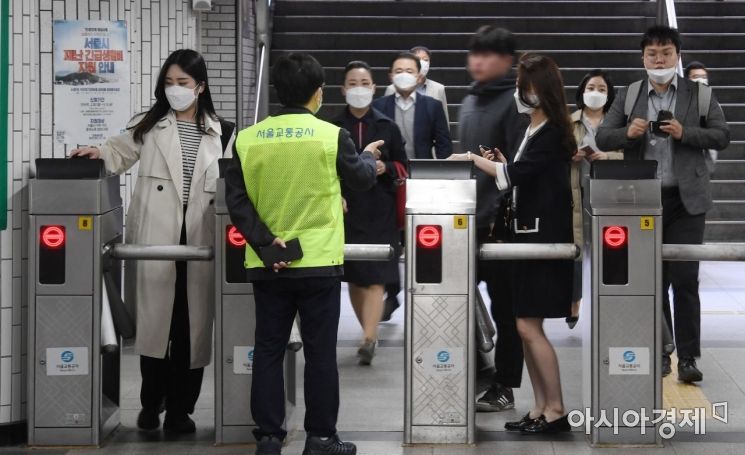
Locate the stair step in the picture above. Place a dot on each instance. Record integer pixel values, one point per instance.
(727, 210)
(332, 94)
(572, 76)
(728, 189)
(406, 9)
(700, 8)
(735, 151)
(737, 131)
(393, 24)
(455, 41)
(573, 58)
(382, 22)
(717, 231)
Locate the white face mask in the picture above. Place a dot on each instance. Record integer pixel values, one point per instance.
(404, 81)
(702, 80)
(522, 107)
(180, 98)
(661, 76)
(359, 97)
(425, 68)
(594, 99)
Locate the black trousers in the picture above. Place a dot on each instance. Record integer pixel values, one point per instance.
(317, 300)
(681, 227)
(171, 378)
(508, 350)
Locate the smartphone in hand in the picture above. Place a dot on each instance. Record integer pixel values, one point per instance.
(663, 118)
(274, 254)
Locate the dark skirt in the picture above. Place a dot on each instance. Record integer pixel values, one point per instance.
(542, 289)
(372, 220)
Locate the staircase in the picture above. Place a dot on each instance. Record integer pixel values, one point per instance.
(717, 30)
(579, 35)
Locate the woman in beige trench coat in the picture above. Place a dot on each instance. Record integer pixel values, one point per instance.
(177, 144)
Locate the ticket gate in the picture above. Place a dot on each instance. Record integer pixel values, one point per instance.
(440, 346)
(73, 383)
(622, 347)
(235, 324)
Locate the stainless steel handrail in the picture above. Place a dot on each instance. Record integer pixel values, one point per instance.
(159, 252)
(352, 252)
(259, 84)
(724, 252)
(528, 251)
(363, 252)
(666, 15)
(263, 10)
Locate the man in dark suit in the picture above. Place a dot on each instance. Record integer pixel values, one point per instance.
(681, 152)
(420, 118)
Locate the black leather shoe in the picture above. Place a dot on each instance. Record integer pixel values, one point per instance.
(148, 420)
(572, 321)
(522, 423)
(541, 426)
(268, 445)
(666, 365)
(687, 370)
(179, 424)
(328, 446)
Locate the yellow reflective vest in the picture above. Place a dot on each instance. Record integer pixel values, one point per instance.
(289, 169)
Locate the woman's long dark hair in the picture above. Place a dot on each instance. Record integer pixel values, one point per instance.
(583, 85)
(539, 74)
(192, 63)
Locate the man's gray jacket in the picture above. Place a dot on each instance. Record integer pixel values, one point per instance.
(690, 153)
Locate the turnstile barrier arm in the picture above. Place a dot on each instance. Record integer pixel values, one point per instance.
(485, 331)
(159, 252)
(705, 252)
(122, 319)
(367, 252)
(528, 251)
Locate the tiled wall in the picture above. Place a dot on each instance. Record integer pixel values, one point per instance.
(156, 27)
(217, 30)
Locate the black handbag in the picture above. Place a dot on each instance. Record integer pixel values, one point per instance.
(501, 232)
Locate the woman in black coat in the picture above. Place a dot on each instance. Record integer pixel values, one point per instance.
(370, 215)
(541, 213)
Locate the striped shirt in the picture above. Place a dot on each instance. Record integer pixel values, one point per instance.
(189, 137)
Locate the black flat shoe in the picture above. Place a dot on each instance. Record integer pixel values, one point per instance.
(572, 321)
(148, 420)
(522, 423)
(541, 426)
(179, 424)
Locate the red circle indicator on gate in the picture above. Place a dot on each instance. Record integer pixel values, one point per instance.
(429, 236)
(235, 238)
(52, 237)
(614, 236)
